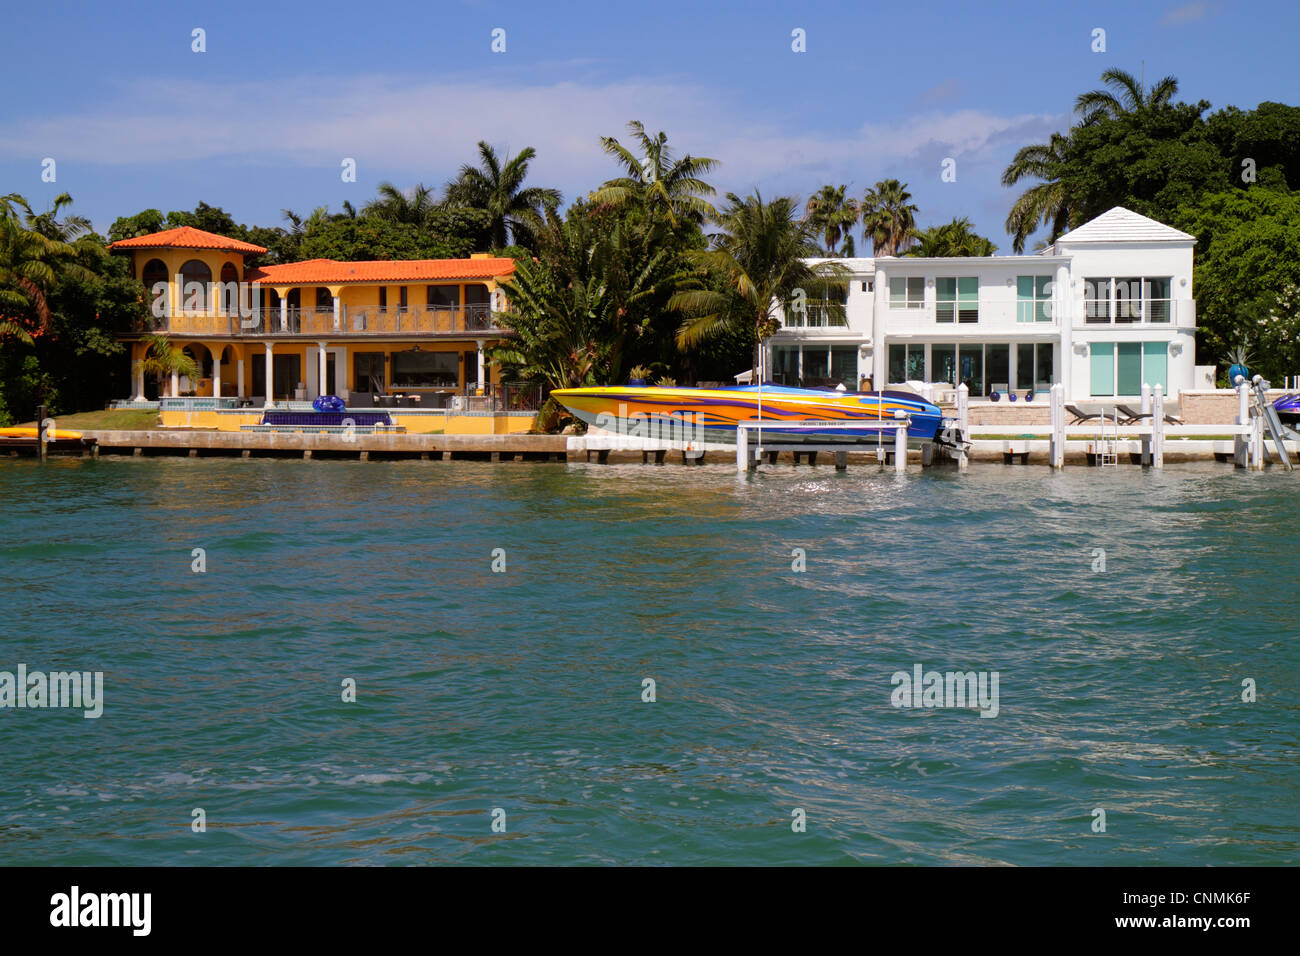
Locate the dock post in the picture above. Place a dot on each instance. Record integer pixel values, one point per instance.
(742, 448)
(40, 432)
(1239, 442)
(963, 424)
(1057, 409)
(1257, 443)
(1146, 409)
(841, 461)
(1157, 444)
(900, 448)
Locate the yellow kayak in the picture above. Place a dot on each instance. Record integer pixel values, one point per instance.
(58, 434)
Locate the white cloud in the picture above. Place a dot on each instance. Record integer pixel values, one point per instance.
(425, 131)
(1187, 13)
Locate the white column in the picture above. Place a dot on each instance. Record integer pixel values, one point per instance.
(284, 315)
(1157, 426)
(139, 381)
(1063, 304)
(338, 314)
(239, 371)
(963, 422)
(879, 348)
(176, 384)
(1240, 444)
(270, 368)
(322, 378)
(1146, 407)
(480, 365)
(900, 447)
(1057, 406)
(216, 374)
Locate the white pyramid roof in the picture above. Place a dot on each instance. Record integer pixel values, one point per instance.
(1124, 225)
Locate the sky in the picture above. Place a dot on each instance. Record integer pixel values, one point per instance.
(264, 118)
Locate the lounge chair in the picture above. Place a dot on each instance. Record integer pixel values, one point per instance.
(1132, 416)
(1080, 416)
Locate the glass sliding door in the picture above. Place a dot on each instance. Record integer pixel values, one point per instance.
(997, 367)
(1128, 368)
(943, 364)
(970, 362)
(1155, 365)
(1101, 367)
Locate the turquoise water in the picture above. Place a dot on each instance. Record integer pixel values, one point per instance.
(523, 690)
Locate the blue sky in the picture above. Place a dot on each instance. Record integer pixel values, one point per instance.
(262, 120)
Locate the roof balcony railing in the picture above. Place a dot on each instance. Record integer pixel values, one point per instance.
(433, 320)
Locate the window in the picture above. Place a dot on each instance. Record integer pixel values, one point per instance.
(866, 287)
(906, 363)
(195, 279)
(401, 299)
(1121, 368)
(785, 364)
(425, 369)
(1033, 298)
(368, 372)
(828, 308)
(155, 271)
(943, 363)
(442, 296)
(229, 289)
(997, 367)
(970, 364)
(959, 297)
(907, 292)
(323, 298)
(1128, 299)
(383, 297)
(1096, 300)
(844, 365)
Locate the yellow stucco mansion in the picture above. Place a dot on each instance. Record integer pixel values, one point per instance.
(371, 332)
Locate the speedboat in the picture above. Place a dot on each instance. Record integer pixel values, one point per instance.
(808, 415)
(1288, 409)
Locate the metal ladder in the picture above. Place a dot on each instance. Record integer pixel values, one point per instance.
(1107, 445)
(1276, 430)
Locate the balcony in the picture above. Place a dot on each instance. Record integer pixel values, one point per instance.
(420, 322)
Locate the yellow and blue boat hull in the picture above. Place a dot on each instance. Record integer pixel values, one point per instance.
(712, 414)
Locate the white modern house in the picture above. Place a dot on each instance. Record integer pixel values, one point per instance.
(1104, 309)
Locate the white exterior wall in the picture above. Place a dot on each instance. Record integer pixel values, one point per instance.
(874, 326)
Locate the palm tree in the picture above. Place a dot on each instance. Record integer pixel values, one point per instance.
(162, 358)
(47, 223)
(657, 177)
(758, 264)
(29, 263)
(414, 208)
(888, 217)
(956, 238)
(1046, 203)
(498, 189)
(1131, 97)
(834, 216)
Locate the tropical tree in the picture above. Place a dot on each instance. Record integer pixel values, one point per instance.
(583, 307)
(756, 264)
(834, 216)
(162, 358)
(29, 264)
(498, 188)
(1126, 95)
(956, 238)
(888, 217)
(657, 178)
(412, 208)
(1049, 202)
(48, 224)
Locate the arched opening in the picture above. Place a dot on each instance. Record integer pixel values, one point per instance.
(154, 273)
(196, 276)
(229, 289)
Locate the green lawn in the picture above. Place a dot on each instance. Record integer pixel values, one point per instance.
(133, 419)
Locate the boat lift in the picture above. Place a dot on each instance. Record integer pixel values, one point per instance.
(1265, 410)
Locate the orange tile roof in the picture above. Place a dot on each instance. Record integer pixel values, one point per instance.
(186, 237)
(331, 271)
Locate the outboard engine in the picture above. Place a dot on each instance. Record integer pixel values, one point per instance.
(950, 440)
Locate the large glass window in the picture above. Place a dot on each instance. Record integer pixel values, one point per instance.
(897, 363)
(997, 367)
(1155, 365)
(442, 296)
(1033, 298)
(943, 364)
(844, 365)
(196, 276)
(368, 372)
(155, 271)
(785, 364)
(1158, 296)
(1120, 369)
(907, 292)
(816, 366)
(959, 297)
(1128, 368)
(970, 363)
(324, 300)
(425, 369)
(1045, 373)
(1096, 300)
(1128, 300)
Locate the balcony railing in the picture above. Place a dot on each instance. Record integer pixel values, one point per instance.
(314, 323)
